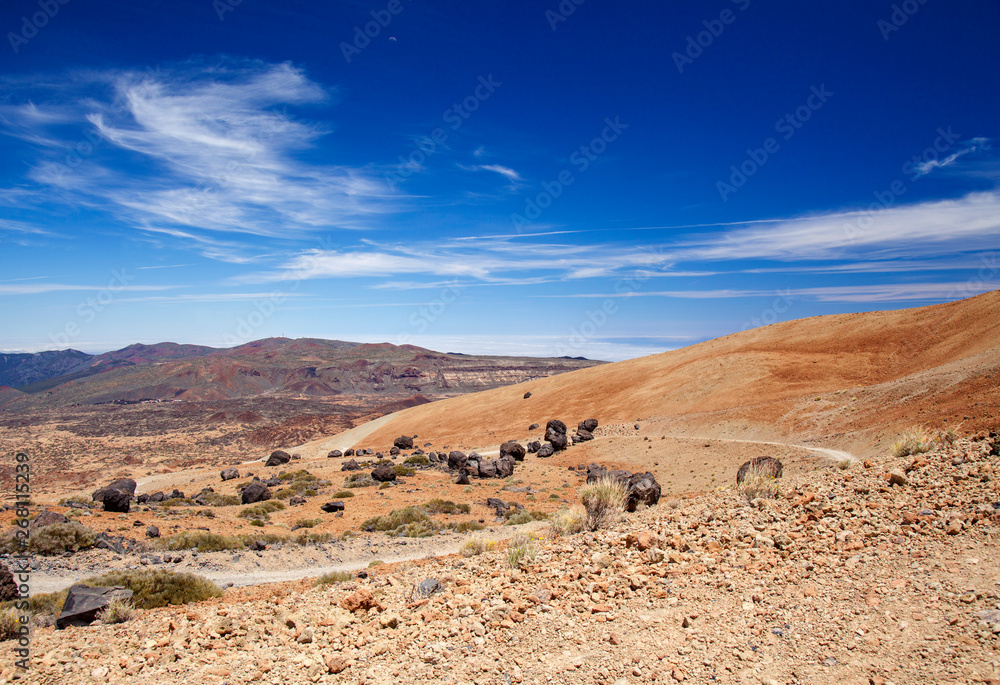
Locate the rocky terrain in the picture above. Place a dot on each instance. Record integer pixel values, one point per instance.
(877, 572)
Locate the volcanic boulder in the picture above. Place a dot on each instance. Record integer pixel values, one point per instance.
(583, 435)
(383, 473)
(641, 488)
(277, 458)
(457, 460)
(255, 492)
(590, 425)
(513, 449)
(335, 454)
(46, 518)
(533, 447)
(123, 484)
(403, 442)
(82, 603)
(349, 453)
(117, 501)
(555, 434)
(546, 450)
(351, 465)
(332, 507)
(8, 587)
(765, 467)
(230, 473)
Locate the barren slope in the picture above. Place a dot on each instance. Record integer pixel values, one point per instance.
(852, 380)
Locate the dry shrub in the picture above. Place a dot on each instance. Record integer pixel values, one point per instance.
(916, 440)
(475, 546)
(569, 521)
(521, 550)
(759, 483)
(61, 537)
(117, 611)
(604, 501)
(334, 577)
(153, 588)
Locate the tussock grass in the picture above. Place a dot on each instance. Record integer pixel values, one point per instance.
(759, 483)
(117, 611)
(261, 510)
(603, 501)
(916, 440)
(308, 523)
(10, 622)
(466, 526)
(569, 521)
(520, 551)
(334, 577)
(343, 494)
(159, 587)
(446, 506)
(402, 471)
(214, 499)
(201, 541)
(359, 479)
(474, 546)
(60, 538)
(418, 460)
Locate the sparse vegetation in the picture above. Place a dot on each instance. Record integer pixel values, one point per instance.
(604, 502)
(343, 494)
(10, 622)
(359, 479)
(375, 562)
(759, 483)
(201, 541)
(214, 499)
(569, 521)
(521, 550)
(516, 517)
(117, 611)
(308, 523)
(475, 546)
(466, 526)
(402, 471)
(916, 440)
(334, 577)
(261, 510)
(60, 538)
(844, 464)
(418, 459)
(443, 506)
(159, 587)
(258, 523)
(411, 522)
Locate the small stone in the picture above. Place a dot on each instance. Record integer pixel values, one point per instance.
(898, 478)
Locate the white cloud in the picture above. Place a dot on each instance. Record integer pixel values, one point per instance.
(506, 172)
(975, 145)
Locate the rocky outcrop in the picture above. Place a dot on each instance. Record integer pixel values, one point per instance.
(403, 442)
(457, 460)
(555, 434)
(230, 473)
(277, 458)
(117, 501)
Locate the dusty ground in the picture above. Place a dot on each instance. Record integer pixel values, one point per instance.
(843, 579)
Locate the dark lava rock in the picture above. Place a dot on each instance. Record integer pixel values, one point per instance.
(351, 466)
(428, 587)
(403, 442)
(513, 449)
(383, 473)
(394, 451)
(463, 478)
(642, 487)
(296, 501)
(175, 494)
(546, 450)
(83, 603)
(767, 467)
(559, 441)
(257, 546)
(457, 460)
(333, 507)
(555, 426)
(230, 473)
(583, 435)
(334, 454)
(527, 395)
(349, 453)
(533, 447)
(590, 425)
(156, 497)
(117, 501)
(143, 498)
(152, 532)
(123, 484)
(533, 426)
(498, 505)
(255, 492)
(277, 458)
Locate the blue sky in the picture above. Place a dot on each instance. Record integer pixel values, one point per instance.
(578, 178)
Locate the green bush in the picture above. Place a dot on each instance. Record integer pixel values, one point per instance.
(334, 577)
(61, 537)
(520, 551)
(159, 587)
(473, 547)
(202, 541)
(257, 523)
(604, 501)
(261, 510)
(359, 479)
(403, 471)
(516, 518)
(569, 521)
(214, 499)
(311, 539)
(343, 494)
(444, 506)
(418, 459)
(411, 522)
(308, 523)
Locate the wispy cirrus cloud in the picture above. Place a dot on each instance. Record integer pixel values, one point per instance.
(203, 147)
(974, 145)
(38, 288)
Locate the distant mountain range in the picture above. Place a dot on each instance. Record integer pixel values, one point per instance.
(288, 367)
